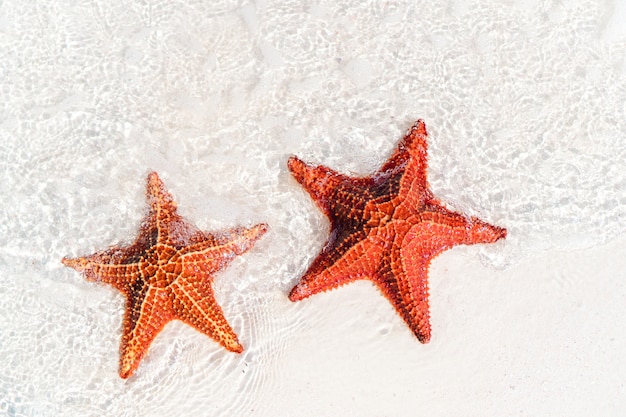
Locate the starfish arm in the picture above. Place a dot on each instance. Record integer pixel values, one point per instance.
(414, 183)
(479, 231)
(410, 296)
(195, 305)
(441, 229)
(163, 224)
(318, 180)
(406, 283)
(147, 312)
(412, 147)
(214, 251)
(108, 267)
(406, 286)
(361, 261)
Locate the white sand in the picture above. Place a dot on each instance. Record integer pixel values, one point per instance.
(526, 105)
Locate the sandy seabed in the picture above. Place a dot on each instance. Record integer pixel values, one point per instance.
(525, 103)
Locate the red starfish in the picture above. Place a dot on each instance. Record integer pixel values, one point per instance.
(166, 275)
(386, 228)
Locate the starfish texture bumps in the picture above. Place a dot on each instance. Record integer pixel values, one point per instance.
(386, 228)
(167, 275)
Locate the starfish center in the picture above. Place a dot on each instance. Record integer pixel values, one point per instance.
(163, 265)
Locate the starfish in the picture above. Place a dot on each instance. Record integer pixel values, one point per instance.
(167, 275)
(387, 228)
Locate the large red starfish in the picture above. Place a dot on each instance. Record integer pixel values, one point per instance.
(166, 275)
(386, 228)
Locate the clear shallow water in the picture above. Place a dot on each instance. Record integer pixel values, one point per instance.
(526, 107)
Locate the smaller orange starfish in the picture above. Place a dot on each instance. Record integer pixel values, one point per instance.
(166, 275)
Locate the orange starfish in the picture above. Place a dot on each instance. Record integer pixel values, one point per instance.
(386, 228)
(166, 275)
